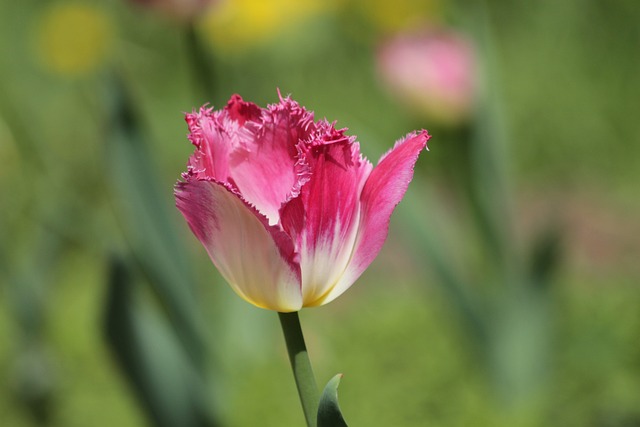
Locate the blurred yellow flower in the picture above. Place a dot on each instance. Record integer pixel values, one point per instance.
(72, 38)
(240, 24)
(179, 10)
(398, 14)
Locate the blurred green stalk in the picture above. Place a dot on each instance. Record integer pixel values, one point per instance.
(201, 66)
(301, 366)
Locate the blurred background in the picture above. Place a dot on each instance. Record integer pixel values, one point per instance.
(507, 293)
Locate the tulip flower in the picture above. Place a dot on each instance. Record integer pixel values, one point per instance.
(434, 71)
(287, 208)
(241, 25)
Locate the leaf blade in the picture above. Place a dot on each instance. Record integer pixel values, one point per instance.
(329, 414)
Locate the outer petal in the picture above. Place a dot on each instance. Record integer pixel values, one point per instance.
(323, 220)
(382, 192)
(256, 259)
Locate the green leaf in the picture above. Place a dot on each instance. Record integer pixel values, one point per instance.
(147, 213)
(329, 414)
(168, 386)
(545, 257)
(419, 219)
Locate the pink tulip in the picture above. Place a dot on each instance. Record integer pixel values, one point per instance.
(434, 71)
(287, 208)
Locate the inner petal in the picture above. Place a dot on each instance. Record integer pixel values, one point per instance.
(264, 165)
(323, 220)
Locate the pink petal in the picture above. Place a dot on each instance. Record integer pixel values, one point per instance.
(252, 149)
(210, 160)
(266, 169)
(242, 111)
(382, 192)
(323, 220)
(256, 259)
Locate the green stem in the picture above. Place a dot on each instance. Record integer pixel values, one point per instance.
(302, 372)
(201, 65)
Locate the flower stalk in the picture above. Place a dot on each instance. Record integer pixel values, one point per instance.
(301, 366)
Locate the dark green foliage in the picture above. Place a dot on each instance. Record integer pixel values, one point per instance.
(329, 414)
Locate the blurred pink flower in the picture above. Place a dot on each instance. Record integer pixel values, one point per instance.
(434, 71)
(287, 208)
(180, 10)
